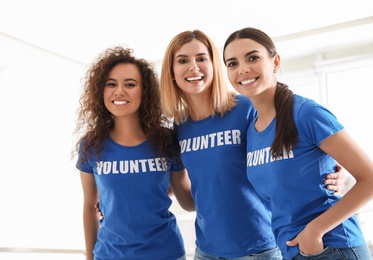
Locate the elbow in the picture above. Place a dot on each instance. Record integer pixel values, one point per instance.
(189, 207)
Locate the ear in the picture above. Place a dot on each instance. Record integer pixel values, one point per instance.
(276, 63)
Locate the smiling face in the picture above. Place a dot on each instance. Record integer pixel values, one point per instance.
(193, 69)
(123, 90)
(251, 70)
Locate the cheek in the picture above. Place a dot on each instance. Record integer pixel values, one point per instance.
(231, 76)
(208, 71)
(106, 94)
(107, 103)
(139, 97)
(178, 78)
(177, 72)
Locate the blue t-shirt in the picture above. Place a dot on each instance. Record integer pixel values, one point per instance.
(231, 220)
(133, 185)
(293, 184)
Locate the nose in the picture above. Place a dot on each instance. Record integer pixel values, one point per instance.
(194, 66)
(242, 69)
(119, 91)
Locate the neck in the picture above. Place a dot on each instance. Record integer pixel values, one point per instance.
(127, 132)
(265, 107)
(200, 107)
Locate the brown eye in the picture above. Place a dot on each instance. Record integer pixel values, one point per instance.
(110, 84)
(203, 59)
(253, 58)
(130, 85)
(231, 64)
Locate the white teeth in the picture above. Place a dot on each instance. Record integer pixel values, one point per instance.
(194, 78)
(247, 81)
(118, 102)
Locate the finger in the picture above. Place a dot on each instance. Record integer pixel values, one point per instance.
(336, 189)
(338, 176)
(335, 176)
(292, 242)
(332, 176)
(335, 182)
(333, 187)
(329, 181)
(338, 193)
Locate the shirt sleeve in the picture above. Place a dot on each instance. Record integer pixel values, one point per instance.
(83, 165)
(316, 122)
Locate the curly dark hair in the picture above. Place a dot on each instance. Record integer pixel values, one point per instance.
(94, 121)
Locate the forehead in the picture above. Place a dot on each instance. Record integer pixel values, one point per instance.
(125, 70)
(194, 47)
(239, 46)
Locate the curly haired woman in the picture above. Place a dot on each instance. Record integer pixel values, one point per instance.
(128, 158)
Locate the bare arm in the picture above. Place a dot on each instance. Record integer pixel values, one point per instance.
(181, 188)
(90, 216)
(348, 153)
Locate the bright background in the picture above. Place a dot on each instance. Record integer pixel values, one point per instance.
(46, 46)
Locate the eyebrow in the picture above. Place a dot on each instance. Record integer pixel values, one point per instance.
(247, 54)
(129, 79)
(125, 80)
(183, 55)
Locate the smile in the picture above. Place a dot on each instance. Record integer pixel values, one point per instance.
(194, 78)
(120, 102)
(247, 81)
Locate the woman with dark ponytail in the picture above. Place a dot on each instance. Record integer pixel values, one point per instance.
(292, 143)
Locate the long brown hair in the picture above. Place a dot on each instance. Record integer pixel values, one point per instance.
(286, 131)
(173, 100)
(94, 121)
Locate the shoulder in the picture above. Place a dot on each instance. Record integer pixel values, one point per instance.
(303, 102)
(243, 101)
(312, 115)
(304, 106)
(245, 107)
(241, 98)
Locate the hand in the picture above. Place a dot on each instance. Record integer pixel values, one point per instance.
(309, 243)
(97, 206)
(335, 181)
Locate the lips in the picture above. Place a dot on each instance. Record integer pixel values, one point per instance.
(247, 81)
(120, 102)
(190, 79)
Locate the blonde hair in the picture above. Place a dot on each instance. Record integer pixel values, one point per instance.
(173, 100)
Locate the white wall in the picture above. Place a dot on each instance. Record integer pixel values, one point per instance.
(40, 192)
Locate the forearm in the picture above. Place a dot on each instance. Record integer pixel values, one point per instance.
(184, 198)
(186, 202)
(359, 195)
(181, 187)
(91, 226)
(360, 166)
